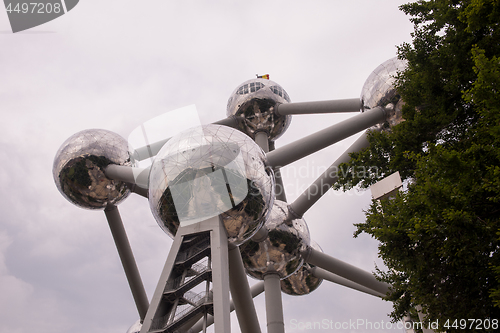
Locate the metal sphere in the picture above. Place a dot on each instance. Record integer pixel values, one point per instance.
(135, 328)
(208, 171)
(379, 90)
(280, 251)
(253, 104)
(79, 164)
(302, 282)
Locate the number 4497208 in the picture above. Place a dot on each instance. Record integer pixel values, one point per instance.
(34, 8)
(478, 324)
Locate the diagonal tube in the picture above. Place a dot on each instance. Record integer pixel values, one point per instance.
(280, 188)
(334, 106)
(255, 290)
(274, 303)
(152, 149)
(127, 259)
(321, 185)
(240, 292)
(324, 138)
(345, 270)
(326, 275)
(262, 139)
(131, 175)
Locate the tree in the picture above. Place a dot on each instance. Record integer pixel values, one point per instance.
(440, 237)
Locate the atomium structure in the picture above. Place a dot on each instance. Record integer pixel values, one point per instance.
(216, 190)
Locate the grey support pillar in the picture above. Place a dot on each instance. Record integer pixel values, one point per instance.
(127, 259)
(220, 276)
(262, 139)
(131, 175)
(200, 249)
(152, 149)
(323, 184)
(241, 295)
(335, 106)
(345, 270)
(149, 151)
(255, 291)
(272, 286)
(140, 191)
(229, 121)
(326, 275)
(280, 187)
(274, 303)
(324, 138)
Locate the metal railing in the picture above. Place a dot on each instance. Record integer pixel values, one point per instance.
(195, 300)
(199, 267)
(202, 245)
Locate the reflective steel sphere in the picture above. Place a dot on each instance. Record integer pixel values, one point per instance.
(302, 282)
(135, 328)
(379, 90)
(280, 251)
(79, 168)
(253, 104)
(208, 171)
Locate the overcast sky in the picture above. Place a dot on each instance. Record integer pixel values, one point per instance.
(115, 64)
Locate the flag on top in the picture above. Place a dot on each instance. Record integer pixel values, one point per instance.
(265, 76)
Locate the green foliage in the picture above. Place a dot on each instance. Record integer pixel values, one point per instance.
(484, 94)
(440, 237)
(440, 69)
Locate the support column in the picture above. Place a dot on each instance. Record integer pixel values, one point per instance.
(274, 304)
(220, 277)
(262, 139)
(131, 175)
(324, 138)
(199, 250)
(152, 149)
(335, 106)
(241, 295)
(345, 270)
(149, 151)
(280, 187)
(255, 290)
(229, 122)
(324, 183)
(326, 275)
(127, 259)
